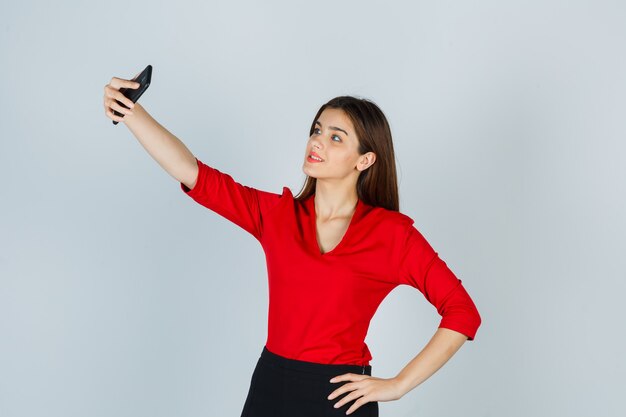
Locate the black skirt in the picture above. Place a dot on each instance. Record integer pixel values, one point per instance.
(283, 387)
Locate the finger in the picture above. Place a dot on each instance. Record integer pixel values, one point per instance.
(358, 403)
(353, 395)
(344, 388)
(117, 106)
(117, 83)
(110, 114)
(343, 401)
(120, 112)
(340, 378)
(113, 93)
(124, 100)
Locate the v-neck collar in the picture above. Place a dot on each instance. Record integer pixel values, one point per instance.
(313, 221)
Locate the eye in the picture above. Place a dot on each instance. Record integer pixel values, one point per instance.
(316, 129)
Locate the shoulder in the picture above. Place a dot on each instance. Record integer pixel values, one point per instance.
(284, 194)
(392, 222)
(270, 200)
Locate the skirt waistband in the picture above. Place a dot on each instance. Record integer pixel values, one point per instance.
(313, 367)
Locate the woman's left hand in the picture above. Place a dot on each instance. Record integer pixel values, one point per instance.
(366, 388)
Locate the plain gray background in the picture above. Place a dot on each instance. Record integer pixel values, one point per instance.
(120, 296)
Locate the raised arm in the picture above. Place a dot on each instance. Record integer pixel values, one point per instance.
(216, 190)
(169, 152)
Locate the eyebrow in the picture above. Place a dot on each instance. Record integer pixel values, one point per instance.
(332, 127)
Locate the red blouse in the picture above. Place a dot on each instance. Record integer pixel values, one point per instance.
(321, 304)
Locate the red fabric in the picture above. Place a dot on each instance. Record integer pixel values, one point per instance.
(320, 305)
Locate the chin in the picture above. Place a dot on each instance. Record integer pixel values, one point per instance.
(306, 171)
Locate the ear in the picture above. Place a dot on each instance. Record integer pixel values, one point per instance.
(366, 160)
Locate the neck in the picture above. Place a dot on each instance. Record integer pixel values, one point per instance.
(334, 200)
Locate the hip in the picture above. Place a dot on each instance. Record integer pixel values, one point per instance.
(282, 386)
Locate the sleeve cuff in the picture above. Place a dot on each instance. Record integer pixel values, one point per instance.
(467, 328)
(191, 192)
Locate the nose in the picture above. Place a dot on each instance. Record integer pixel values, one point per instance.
(315, 144)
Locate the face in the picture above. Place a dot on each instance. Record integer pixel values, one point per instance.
(335, 142)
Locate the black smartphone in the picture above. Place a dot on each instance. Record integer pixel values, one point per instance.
(133, 94)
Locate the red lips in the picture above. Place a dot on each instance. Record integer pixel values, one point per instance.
(316, 155)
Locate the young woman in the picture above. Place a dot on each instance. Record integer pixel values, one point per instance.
(333, 253)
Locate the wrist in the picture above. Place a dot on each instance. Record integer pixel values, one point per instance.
(402, 385)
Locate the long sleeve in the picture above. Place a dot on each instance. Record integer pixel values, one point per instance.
(241, 204)
(422, 268)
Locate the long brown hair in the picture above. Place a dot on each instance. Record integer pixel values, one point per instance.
(378, 184)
